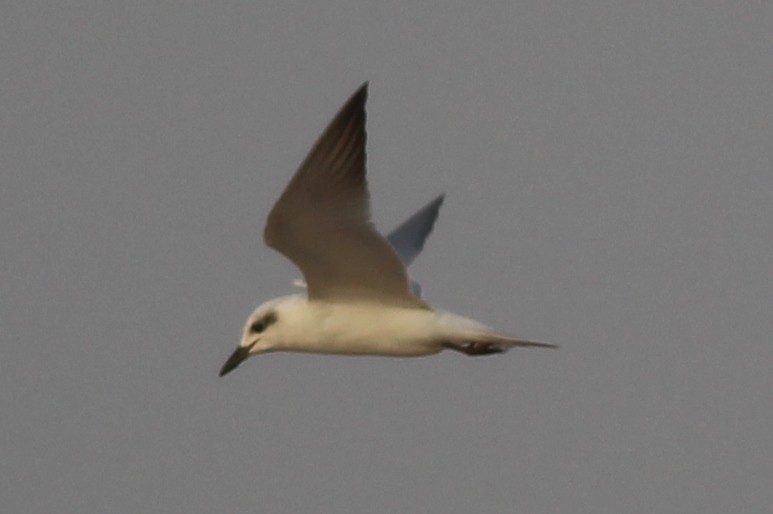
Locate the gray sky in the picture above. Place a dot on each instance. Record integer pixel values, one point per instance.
(608, 167)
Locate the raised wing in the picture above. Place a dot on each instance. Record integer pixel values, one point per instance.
(409, 237)
(322, 220)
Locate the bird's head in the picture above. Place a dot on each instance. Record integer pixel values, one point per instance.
(258, 336)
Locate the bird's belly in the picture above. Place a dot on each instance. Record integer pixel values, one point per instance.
(382, 347)
(374, 344)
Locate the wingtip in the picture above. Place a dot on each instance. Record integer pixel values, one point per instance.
(434, 206)
(354, 106)
(361, 94)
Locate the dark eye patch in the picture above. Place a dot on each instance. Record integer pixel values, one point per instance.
(263, 323)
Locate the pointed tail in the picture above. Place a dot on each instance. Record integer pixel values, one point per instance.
(484, 343)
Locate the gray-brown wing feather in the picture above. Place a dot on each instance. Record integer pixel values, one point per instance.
(322, 220)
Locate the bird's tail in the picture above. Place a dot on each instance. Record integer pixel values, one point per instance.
(468, 336)
(486, 343)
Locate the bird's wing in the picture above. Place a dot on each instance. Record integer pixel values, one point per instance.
(408, 238)
(322, 220)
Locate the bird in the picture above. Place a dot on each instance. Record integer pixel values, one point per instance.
(359, 299)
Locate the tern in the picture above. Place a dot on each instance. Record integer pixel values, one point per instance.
(359, 299)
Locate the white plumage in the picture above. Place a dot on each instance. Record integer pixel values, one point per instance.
(359, 299)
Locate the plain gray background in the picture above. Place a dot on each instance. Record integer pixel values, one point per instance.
(610, 189)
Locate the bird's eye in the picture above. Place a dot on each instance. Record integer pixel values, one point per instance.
(262, 324)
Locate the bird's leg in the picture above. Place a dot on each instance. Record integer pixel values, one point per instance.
(475, 348)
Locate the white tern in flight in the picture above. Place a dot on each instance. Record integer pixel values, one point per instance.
(359, 299)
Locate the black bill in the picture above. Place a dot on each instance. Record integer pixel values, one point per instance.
(236, 358)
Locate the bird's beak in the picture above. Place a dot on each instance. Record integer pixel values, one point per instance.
(236, 358)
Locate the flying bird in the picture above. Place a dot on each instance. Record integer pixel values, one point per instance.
(359, 299)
